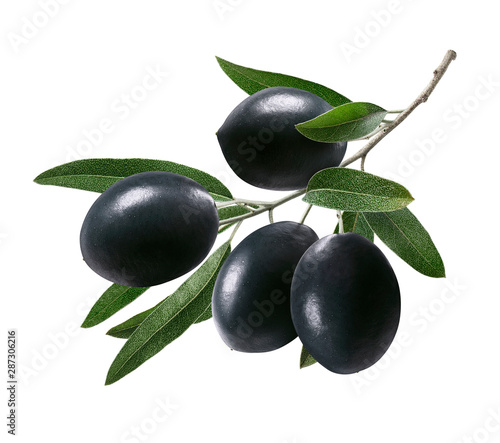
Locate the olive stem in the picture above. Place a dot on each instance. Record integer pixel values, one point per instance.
(234, 231)
(422, 98)
(303, 219)
(374, 139)
(341, 222)
(271, 218)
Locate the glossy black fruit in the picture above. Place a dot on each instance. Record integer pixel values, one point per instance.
(345, 302)
(149, 228)
(261, 144)
(251, 297)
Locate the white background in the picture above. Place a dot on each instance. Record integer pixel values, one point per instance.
(439, 382)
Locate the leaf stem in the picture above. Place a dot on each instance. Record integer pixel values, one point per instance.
(234, 231)
(422, 98)
(271, 218)
(303, 219)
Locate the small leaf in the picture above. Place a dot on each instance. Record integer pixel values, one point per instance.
(344, 123)
(230, 212)
(356, 222)
(115, 298)
(98, 174)
(353, 190)
(403, 233)
(306, 359)
(125, 329)
(253, 80)
(170, 319)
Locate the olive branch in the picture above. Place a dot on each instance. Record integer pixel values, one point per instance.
(259, 207)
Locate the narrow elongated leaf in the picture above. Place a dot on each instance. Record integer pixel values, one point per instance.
(356, 222)
(253, 80)
(115, 298)
(353, 190)
(230, 212)
(125, 329)
(344, 123)
(207, 314)
(98, 174)
(170, 319)
(306, 359)
(404, 234)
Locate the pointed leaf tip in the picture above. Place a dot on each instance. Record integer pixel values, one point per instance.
(402, 232)
(306, 359)
(347, 122)
(98, 174)
(169, 319)
(254, 80)
(352, 190)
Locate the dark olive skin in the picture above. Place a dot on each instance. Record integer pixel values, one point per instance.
(262, 146)
(345, 302)
(251, 297)
(149, 228)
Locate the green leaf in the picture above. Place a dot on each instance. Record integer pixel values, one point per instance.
(125, 329)
(230, 212)
(353, 190)
(403, 233)
(115, 298)
(306, 359)
(170, 319)
(207, 314)
(98, 174)
(344, 123)
(356, 222)
(253, 80)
